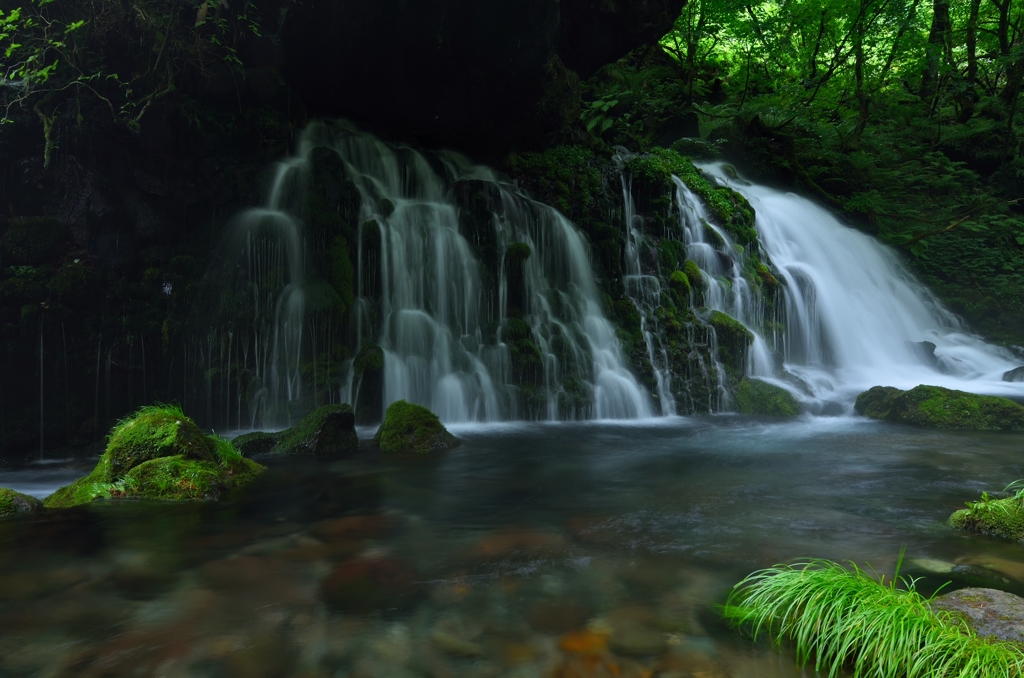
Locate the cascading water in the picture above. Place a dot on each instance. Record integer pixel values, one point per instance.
(466, 296)
(853, 315)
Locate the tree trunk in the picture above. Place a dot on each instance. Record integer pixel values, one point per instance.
(938, 38)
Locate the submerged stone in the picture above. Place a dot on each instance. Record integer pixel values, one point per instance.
(159, 453)
(754, 396)
(938, 407)
(15, 503)
(997, 517)
(988, 612)
(413, 429)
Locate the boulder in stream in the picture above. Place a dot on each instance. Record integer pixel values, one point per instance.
(938, 407)
(15, 503)
(159, 453)
(1016, 374)
(413, 429)
(988, 612)
(754, 396)
(328, 432)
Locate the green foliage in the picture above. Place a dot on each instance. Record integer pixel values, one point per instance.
(567, 177)
(998, 517)
(754, 396)
(845, 619)
(412, 429)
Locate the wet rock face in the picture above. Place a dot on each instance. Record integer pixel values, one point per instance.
(482, 76)
(989, 612)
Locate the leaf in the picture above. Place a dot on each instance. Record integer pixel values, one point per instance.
(608, 122)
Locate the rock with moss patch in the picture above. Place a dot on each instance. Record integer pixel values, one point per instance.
(990, 613)
(15, 503)
(754, 396)
(159, 453)
(328, 432)
(938, 407)
(413, 429)
(733, 339)
(997, 517)
(32, 240)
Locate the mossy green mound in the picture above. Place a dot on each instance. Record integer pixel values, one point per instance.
(733, 339)
(159, 453)
(15, 503)
(327, 432)
(997, 517)
(849, 623)
(754, 396)
(412, 429)
(938, 407)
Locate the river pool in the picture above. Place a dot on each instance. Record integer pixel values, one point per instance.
(563, 549)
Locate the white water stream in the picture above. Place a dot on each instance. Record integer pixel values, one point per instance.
(854, 314)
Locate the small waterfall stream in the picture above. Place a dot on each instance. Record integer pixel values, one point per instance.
(853, 315)
(480, 302)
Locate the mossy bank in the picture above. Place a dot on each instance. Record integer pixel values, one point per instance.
(159, 453)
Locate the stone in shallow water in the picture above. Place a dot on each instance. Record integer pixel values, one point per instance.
(989, 612)
(15, 503)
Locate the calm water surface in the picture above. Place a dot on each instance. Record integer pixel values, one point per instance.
(569, 550)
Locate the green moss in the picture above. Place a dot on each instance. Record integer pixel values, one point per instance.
(412, 429)
(517, 253)
(766, 275)
(729, 209)
(14, 503)
(328, 431)
(997, 517)
(679, 283)
(32, 240)
(154, 431)
(171, 452)
(754, 396)
(255, 443)
(17, 291)
(693, 274)
(567, 177)
(937, 407)
(370, 358)
(733, 339)
(671, 254)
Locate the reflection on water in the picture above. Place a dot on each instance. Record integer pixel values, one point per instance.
(574, 549)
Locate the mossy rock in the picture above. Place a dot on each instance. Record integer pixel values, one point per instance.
(257, 442)
(754, 396)
(693, 274)
(733, 339)
(997, 517)
(679, 283)
(413, 429)
(74, 284)
(15, 503)
(517, 253)
(938, 407)
(159, 453)
(32, 240)
(327, 432)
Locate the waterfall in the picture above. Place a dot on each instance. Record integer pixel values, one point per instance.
(853, 316)
(450, 289)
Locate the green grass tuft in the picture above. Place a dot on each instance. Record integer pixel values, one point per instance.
(842, 618)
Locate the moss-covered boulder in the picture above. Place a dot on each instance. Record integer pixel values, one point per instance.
(413, 429)
(15, 503)
(159, 453)
(990, 613)
(733, 339)
(754, 396)
(938, 407)
(328, 432)
(997, 517)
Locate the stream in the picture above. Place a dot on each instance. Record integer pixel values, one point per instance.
(533, 549)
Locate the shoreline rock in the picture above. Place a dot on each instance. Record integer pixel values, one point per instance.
(412, 429)
(938, 407)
